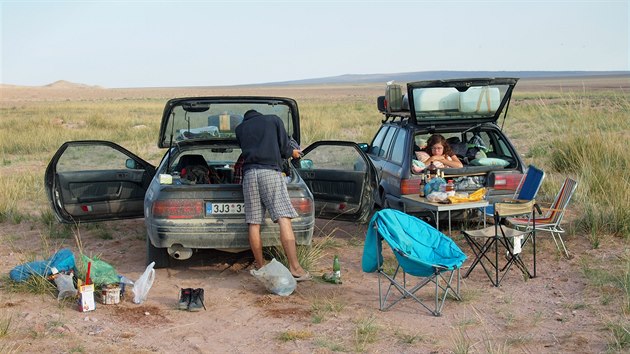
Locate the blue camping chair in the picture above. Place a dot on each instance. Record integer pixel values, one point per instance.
(420, 250)
(527, 188)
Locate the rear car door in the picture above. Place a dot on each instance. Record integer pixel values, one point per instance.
(95, 181)
(341, 178)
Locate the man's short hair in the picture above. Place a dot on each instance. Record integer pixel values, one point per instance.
(250, 112)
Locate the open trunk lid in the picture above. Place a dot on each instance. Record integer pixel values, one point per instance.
(214, 119)
(472, 101)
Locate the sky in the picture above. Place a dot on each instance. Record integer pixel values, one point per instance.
(118, 44)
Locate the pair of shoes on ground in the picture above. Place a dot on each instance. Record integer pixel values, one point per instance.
(191, 299)
(307, 276)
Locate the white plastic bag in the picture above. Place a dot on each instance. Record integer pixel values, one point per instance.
(276, 278)
(65, 285)
(142, 286)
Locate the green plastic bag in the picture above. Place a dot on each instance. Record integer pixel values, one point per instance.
(101, 272)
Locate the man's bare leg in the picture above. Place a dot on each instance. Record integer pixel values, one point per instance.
(287, 238)
(256, 244)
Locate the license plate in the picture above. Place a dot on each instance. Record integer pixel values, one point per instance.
(224, 208)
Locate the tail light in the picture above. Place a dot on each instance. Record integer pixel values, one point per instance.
(302, 205)
(505, 181)
(410, 186)
(178, 209)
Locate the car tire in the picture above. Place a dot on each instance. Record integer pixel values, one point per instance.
(158, 255)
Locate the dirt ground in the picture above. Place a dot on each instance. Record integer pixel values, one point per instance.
(553, 312)
(558, 311)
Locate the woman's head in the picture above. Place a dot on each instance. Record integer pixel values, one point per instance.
(437, 145)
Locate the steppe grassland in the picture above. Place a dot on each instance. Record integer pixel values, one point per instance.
(31, 130)
(580, 133)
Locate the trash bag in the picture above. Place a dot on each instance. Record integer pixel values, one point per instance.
(101, 272)
(142, 286)
(276, 278)
(63, 261)
(434, 185)
(65, 285)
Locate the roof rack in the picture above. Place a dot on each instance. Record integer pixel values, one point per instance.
(402, 115)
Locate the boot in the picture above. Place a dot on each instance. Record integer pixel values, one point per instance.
(184, 298)
(196, 300)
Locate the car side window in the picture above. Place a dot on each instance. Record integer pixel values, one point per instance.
(387, 142)
(333, 157)
(398, 149)
(375, 149)
(92, 158)
(503, 147)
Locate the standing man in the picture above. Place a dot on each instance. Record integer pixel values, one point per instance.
(264, 144)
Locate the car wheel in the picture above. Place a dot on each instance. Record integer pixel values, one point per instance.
(158, 255)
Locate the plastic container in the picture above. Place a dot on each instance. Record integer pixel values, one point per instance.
(436, 99)
(393, 96)
(450, 188)
(110, 295)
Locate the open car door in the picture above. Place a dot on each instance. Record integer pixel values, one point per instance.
(341, 178)
(96, 181)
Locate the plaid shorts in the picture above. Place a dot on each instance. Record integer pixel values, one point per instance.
(266, 190)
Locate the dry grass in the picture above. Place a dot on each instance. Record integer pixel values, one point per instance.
(558, 128)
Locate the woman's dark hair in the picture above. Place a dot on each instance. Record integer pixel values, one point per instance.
(439, 139)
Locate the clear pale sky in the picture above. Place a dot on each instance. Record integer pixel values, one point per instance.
(210, 43)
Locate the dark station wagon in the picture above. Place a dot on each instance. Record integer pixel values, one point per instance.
(466, 113)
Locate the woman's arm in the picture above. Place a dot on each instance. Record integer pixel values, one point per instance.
(451, 161)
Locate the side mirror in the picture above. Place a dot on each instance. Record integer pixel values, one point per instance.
(364, 147)
(131, 164)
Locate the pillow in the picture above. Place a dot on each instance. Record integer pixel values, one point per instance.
(489, 161)
(422, 156)
(417, 166)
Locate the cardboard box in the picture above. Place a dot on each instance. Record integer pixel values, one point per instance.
(86, 298)
(224, 122)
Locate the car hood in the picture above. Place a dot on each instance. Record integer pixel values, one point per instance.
(474, 101)
(214, 119)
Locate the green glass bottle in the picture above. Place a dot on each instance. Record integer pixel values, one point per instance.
(336, 267)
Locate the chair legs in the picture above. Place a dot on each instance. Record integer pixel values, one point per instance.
(441, 279)
(492, 265)
(557, 238)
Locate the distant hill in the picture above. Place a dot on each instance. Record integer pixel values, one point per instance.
(68, 85)
(444, 75)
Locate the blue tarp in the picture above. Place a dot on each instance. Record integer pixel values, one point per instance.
(63, 260)
(422, 246)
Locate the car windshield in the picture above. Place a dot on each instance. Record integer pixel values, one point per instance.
(199, 120)
(481, 101)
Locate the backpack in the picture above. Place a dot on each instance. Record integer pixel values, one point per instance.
(196, 174)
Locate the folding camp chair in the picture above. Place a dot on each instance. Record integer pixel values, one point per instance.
(422, 252)
(527, 188)
(551, 220)
(488, 243)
